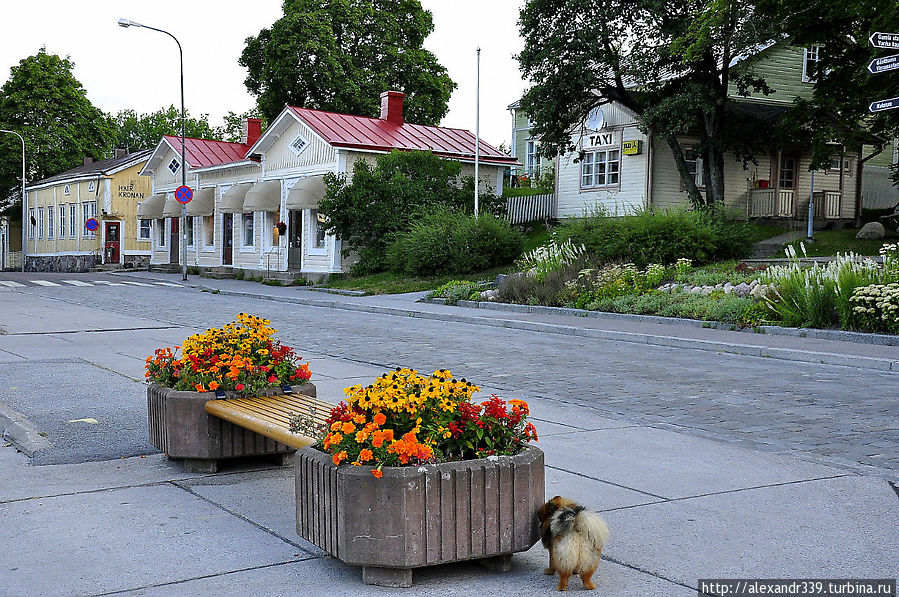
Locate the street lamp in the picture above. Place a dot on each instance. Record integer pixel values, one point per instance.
(182, 224)
(24, 209)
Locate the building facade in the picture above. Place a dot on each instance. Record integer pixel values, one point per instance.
(255, 205)
(526, 147)
(58, 209)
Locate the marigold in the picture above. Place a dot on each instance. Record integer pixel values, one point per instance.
(339, 457)
(377, 473)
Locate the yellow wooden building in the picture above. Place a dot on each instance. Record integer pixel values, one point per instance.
(59, 210)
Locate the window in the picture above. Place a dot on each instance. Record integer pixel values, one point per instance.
(600, 168)
(298, 145)
(73, 218)
(208, 231)
(174, 166)
(143, 229)
(835, 165)
(66, 190)
(88, 211)
(90, 187)
(50, 221)
(189, 230)
(532, 159)
(40, 223)
(160, 233)
(248, 225)
(787, 178)
(62, 221)
(33, 227)
(694, 165)
(811, 56)
(316, 232)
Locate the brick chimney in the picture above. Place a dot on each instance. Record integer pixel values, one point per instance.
(121, 152)
(88, 160)
(392, 107)
(251, 131)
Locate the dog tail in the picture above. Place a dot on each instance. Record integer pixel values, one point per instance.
(592, 526)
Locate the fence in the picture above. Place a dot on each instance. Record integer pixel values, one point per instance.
(530, 208)
(878, 191)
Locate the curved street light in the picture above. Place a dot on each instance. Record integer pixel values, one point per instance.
(24, 201)
(182, 224)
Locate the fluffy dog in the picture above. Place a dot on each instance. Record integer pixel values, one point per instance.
(574, 537)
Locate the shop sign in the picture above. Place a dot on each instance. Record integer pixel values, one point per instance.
(601, 139)
(634, 147)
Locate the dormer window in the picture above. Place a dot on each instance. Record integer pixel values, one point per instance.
(299, 144)
(811, 56)
(90, 187)
(174, 166)
(66, 190)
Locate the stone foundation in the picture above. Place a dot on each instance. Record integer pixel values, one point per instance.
(136, 261)
(61, 263)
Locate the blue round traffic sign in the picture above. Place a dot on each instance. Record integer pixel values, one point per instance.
(183, 195)
(92, 224)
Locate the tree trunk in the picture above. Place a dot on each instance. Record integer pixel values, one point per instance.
(686, 177)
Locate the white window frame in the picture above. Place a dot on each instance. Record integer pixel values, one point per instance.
(190, 224)
(51, 223)
(697, 166)
(90, 186)
(73, 220)
(40, 223)
(589, 169)
(62, 221)
(810, 54)
(88, 211)
(32, 228)
(66, 190)
(834, 165)
(305, 143)
(205, 228)
(312, 241)
(141, 223)
(247, 247)
(161, 231)
(532, 158)
(174, 166)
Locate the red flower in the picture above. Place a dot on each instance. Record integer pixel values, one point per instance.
(239, 387)
(272, 379)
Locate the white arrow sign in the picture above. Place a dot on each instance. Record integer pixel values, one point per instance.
(882, 105)
(889, 41)
(885, 64)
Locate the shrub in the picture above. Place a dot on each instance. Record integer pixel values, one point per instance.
(456, 290)
(527, 290)
(657, 237)
(876, 307)
(443, 241)
(551, 257)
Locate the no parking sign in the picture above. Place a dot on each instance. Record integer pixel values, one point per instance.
(183, 195)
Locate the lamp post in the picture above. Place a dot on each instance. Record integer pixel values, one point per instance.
(182, 224)
(24, 201)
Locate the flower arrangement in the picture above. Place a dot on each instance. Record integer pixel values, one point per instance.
(405, 418)
(241, 356)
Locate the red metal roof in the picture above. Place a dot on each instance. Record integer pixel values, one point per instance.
(343, 130)
(202, 153)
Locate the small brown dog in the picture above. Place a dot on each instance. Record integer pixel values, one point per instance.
(574, 537)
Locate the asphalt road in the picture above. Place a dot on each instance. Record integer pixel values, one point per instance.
(839, 414)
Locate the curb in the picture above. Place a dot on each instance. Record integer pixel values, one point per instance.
(787, 354)
(15, 427)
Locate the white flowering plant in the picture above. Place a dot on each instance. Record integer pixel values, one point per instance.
(876, 307)
(551, 257)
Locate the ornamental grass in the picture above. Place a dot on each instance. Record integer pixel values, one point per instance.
(239, 357)
(405, 418)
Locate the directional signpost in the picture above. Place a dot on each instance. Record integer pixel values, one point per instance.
(882, 105)
(883, 65)
(886, 41)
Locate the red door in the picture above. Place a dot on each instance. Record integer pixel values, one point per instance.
(113, 235)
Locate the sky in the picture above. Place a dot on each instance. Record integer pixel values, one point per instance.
(138, 68)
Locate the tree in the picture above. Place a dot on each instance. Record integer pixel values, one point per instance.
(46, 104)
(386, 197)
(144, 132)
(340, 55)
(667, 61)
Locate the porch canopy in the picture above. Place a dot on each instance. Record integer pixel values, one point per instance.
(203, 203)
(151, 207)
(306, 193)
(264, 196)
(172, 208)
(232, 200)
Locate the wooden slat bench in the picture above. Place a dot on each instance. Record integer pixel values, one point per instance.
(270, 415)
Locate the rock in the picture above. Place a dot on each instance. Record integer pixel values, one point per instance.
(728, 288)
(696, 290)
(754, 283)
(871, 231)
(742, 289)
(707, 290)
(499, 279)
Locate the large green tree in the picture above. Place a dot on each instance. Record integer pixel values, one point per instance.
(44, 102)
(136, 132)
(669, 61)
(340, 55)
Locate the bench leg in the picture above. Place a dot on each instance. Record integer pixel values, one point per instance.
(387, 577)
(501, 563)
(200, 465)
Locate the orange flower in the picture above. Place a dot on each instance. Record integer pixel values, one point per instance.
(359, 419)
(365, 455)
(380, 419)
(213, 385)
(339, 457)
(361, 437)
(377, 473)
(348, 428)
(200, 387)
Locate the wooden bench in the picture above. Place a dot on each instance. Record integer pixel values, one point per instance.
(270, 415)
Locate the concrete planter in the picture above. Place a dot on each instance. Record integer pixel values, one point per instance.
(419, 516)
(180, 427)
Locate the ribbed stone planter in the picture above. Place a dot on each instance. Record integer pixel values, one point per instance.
(180, 427)
(419, 516)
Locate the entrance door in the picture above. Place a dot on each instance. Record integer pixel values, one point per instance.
(227, 238)
(295, 240)
(113, 230)
(175, 245)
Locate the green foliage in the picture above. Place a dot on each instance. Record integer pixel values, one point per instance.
(456, 290)
(656, 237)
(386, 198)
(444, 241)
(340, 55)
(876, 308)
(551, 257)
(136, 132)
(592, 285)
(46, 104)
